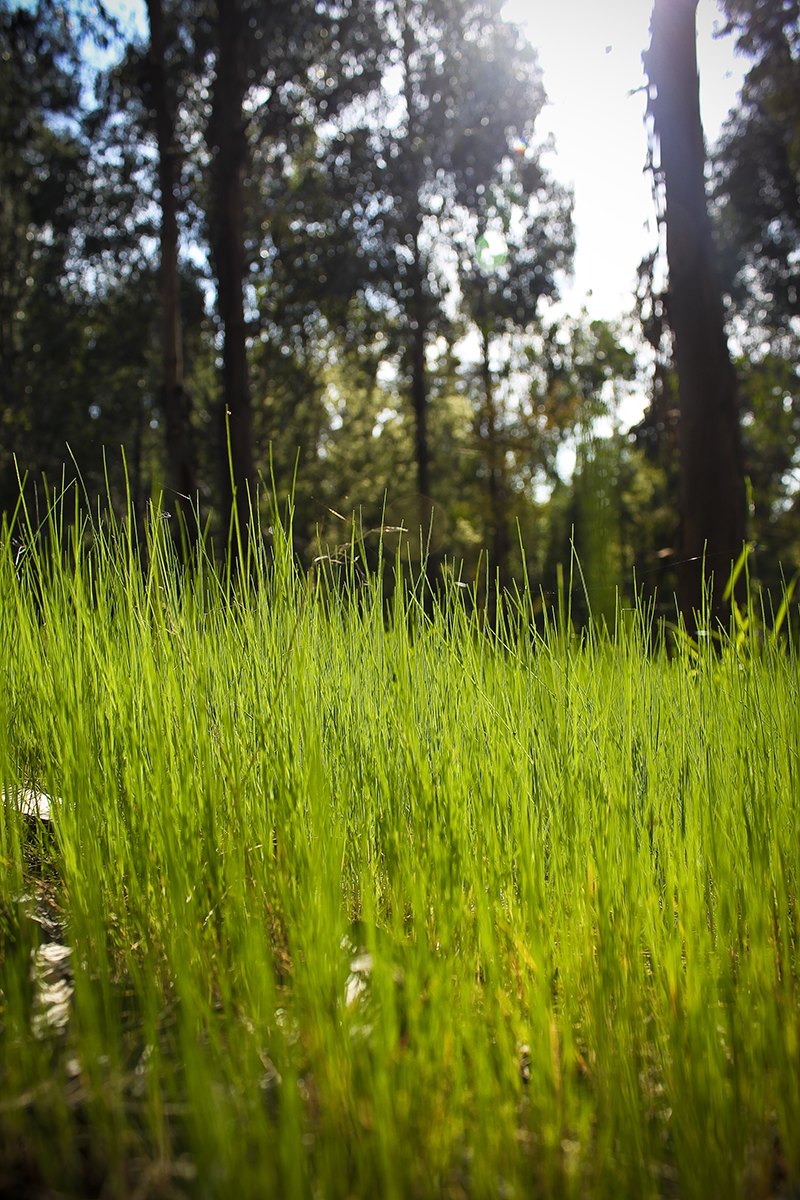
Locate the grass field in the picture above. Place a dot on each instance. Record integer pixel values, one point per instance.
(332, 905)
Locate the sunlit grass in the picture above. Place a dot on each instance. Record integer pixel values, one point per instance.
(404, 907)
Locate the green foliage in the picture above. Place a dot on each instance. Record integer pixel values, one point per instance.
(371, 182)
(533, 215)
(393, 191)
(327, 227)
(40, 168)
(357, 908)
(757, 179)
(770, 398)
(78, 349)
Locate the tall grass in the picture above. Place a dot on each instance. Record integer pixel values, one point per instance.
(403, 907)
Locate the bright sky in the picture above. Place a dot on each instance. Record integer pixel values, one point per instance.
(590, 51)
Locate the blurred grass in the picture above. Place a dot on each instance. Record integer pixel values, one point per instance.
(405, 907)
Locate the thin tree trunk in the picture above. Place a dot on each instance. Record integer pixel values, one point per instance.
(712, 492)
(137, 498)
(495, 467)
(419, 371)
(230, 163)
(419, 398)
(176, 399)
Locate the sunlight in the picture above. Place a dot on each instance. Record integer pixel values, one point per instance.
(593, 77)
(491, 250)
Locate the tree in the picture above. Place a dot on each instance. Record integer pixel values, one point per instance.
(583, 370)
(41, 170)
(757, 220)
(431, 144)
(712, 492)
(757, 176)
(770, 394)
(524, 239)
(227, 141)
(175, 397)
(80, 360)
(247, 85)
(278, 71)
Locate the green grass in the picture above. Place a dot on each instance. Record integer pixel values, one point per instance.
(404, 908)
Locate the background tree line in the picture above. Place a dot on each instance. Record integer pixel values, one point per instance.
(306, 245)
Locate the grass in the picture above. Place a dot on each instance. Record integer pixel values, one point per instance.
(361, 907)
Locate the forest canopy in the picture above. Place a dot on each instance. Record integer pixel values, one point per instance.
(308, 250)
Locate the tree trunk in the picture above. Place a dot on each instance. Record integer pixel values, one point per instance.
(229, 148)
(495, 470)
(419, 329)
(712, 492)
(176, 400)
(419, 396)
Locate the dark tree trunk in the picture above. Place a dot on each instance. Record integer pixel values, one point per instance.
(176, 399)
(712, 492)
(496, 475)
(419, 397)
(419, 370)
(230, 162)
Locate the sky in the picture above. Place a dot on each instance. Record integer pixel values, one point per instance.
(590, 52)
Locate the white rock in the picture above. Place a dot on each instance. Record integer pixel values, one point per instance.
(30, 802)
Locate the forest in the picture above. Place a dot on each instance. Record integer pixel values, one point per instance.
(387, 807)
(306, 250)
